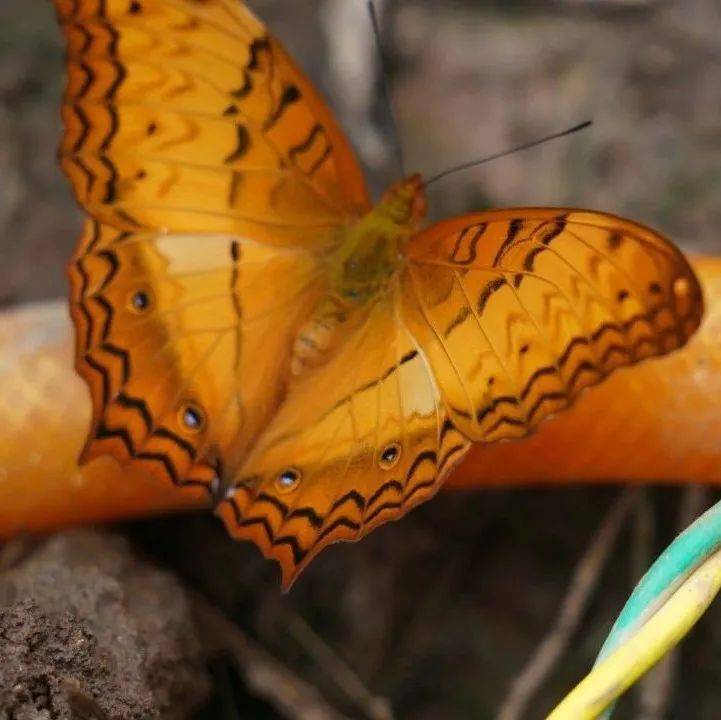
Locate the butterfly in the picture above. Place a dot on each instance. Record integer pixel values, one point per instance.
(250, 323)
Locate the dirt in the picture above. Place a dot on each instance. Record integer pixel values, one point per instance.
(89, 631)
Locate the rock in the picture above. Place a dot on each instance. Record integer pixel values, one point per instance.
(89, 631)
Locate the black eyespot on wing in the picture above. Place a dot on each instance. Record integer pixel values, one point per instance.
(389, 456)
(192, 418)
(287, 480)
(140, 301)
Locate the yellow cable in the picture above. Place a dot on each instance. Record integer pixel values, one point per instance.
(645, 648)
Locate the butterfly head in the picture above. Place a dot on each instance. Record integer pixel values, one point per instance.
(405, 203)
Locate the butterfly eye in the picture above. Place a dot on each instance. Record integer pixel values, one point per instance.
(288, 480)
(191, 417)
(140, 301)
(389, 456)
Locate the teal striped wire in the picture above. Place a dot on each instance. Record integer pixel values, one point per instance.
(691, 548)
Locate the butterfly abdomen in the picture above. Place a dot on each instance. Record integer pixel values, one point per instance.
(318, 335)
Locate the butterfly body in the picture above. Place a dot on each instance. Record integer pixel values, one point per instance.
(249, 323)
(370, 253)
(361, 269)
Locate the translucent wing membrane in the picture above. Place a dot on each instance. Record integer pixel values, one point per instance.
(186, 116)
(518, 311)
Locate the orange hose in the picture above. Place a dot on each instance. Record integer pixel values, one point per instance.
(660, 421)
(44, 413)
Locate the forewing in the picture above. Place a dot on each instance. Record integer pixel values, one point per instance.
(365, 438)
(187, 116)
(518, 311)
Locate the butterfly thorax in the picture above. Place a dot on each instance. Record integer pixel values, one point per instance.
(370, 251)
(360, 269)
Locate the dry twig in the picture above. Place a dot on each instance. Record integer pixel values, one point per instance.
(289, 694)
(374, 707)
(583, 583)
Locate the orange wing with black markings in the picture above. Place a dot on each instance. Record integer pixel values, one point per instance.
(187, 116)
(356, 443)
(519, 311)
(172, 337)
(207, 162)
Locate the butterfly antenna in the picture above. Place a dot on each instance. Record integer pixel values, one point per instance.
(385, 87)
(510, 151)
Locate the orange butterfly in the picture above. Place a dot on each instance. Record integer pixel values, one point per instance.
(250, 323)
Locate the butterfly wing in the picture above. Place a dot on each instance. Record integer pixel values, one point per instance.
(188, 116)
(496, 321)
(184, 341)
(518, 311)
(357, 442)
(212, 171)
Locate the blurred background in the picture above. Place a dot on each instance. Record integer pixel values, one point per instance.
(434, 617)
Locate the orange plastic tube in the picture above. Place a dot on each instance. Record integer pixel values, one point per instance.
(660, 421)
(44, 415)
